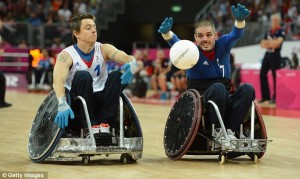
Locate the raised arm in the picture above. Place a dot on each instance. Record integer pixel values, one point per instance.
(240, 13)
(167, 34)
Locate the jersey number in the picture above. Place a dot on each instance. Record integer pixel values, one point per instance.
(222, 69)
(97, 70)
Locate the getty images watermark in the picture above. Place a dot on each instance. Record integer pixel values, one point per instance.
(25, 174)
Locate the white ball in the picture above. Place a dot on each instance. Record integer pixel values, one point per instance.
(184, 54)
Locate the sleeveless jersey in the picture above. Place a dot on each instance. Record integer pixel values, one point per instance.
(97, 70)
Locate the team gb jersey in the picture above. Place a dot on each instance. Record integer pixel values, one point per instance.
(97, 70)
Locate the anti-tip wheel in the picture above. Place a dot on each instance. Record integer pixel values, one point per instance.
(85, 160)
(254, 158)
(127, 158)
(124, 158)
(222, 158)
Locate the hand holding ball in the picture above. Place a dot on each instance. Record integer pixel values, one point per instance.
(184, 54)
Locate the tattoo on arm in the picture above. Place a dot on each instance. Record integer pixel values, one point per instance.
(113, 56)
(63, 58)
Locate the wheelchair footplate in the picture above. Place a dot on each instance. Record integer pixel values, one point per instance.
(250, 147)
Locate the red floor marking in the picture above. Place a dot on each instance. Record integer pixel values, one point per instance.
(280, 112)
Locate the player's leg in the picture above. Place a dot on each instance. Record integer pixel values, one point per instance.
(216, 93)
(238, 104)
(107, 103)
(82, 85)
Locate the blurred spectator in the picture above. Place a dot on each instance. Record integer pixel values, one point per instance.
(158, 78)
(272, 42)
(295, 61)
(34, 19)
(139, 86)
(56, 4)
(148, 63)
(177, 78)
(23, 43)
(79, 7)
(45, 70)
(57, 43)
(139, 59)
(3, 103)
(65, 14)
(40, 69)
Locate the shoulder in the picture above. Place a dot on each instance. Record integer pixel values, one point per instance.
(107, 47)
(64, 57)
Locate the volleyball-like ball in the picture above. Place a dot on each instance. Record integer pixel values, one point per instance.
(184, 54)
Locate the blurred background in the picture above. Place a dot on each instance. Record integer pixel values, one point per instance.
(32, 32)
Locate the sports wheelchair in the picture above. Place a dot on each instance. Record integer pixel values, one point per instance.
(186, 133)
(48, 142)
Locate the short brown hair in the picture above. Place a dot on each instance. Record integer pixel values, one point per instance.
(205, 23)
(75, 23)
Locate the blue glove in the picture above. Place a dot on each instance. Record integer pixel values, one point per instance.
(129, 70)
(166, 25)
(64, 111)
(240, 13)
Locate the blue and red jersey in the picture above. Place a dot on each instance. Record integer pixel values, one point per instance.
(214, 64)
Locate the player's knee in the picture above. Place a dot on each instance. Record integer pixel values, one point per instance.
(215, 92)
(115, 75)
(248, 91)
(218, 88)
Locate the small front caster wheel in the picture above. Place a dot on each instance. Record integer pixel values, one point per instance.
(222, 158)
(254, 158)
(85, 160)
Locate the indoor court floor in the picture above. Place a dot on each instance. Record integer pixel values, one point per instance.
(281, 160)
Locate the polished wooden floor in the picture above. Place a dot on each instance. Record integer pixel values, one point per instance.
(282, 159)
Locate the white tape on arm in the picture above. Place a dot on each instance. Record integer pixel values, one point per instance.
(240, 24)
(168, 35)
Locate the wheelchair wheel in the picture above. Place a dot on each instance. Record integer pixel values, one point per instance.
(44, 133)
(182, 124)
(132, 126)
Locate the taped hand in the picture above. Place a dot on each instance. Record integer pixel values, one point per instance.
(129, 70)
(240, 13)
(166, 25)
(63, 114)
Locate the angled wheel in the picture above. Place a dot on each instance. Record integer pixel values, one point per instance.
(182, 125)
(131, 121)
(44, 133)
